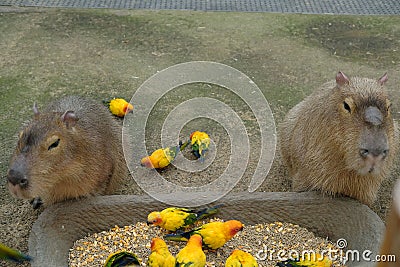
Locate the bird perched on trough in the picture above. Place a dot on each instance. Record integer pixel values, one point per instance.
(10, 254)
(240, 258)
(214, 234)
(160, 255)
(119, 107)
(200, 142)
(174, 218)
(162, 157)
(192, 255)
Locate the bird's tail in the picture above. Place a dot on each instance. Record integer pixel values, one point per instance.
(183, 236)
(106, 103)
(208, 212)
(182, 146)
(12, 254)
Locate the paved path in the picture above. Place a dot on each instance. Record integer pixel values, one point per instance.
(360, 7)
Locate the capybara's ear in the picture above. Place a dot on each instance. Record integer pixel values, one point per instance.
(382, 80)
(341, 79)
(69, 118)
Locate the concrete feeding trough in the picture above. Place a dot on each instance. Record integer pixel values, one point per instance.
(56, 229)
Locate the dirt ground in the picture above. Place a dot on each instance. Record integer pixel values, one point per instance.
(49, 53)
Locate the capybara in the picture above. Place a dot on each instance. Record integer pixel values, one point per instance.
(70, 150)
(341, 139)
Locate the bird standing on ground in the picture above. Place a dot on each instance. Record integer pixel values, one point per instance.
(119, 107)
(240, 258)
(192, 255)
(160, 255)
(200, 142)
(162, 157)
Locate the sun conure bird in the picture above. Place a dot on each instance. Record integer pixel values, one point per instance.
(192, 255)
(214, 234)
(174, 218)
(122, 258)
(310, 260)
(200, 142)
(162, 157)
(10, 254)
(240, 258)
(119, 106)
(160, 255)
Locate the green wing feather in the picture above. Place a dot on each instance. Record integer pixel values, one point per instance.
(207, 212)
(183, 236)
(195, 215)
(192, 218)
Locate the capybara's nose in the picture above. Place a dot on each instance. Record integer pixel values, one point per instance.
(17, 178)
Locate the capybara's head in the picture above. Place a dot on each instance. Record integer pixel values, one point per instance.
(366, 128)
(42, 150)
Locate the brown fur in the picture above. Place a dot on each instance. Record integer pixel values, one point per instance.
(320, 139)
(87, 161)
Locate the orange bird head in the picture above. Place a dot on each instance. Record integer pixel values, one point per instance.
(234, 227)
(154, 218)
(196, 239)
(146, 162)
(235, 251)
(157, 243)
(191, 135)
(127, 108)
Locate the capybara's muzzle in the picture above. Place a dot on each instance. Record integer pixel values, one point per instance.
(17, 173)
(15, 177)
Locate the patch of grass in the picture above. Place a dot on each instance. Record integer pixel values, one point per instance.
(369, 40)
(142, 33)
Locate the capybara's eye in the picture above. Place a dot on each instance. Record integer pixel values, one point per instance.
(346, 106)
(364, 152)
(54, 145)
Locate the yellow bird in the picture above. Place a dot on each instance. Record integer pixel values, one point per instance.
(119, 107)
(162, 157)
(310, 260)
(173, 218)
(240, 258)
(214, 234)
(192, 255)
(200, 142)
(160, 255)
